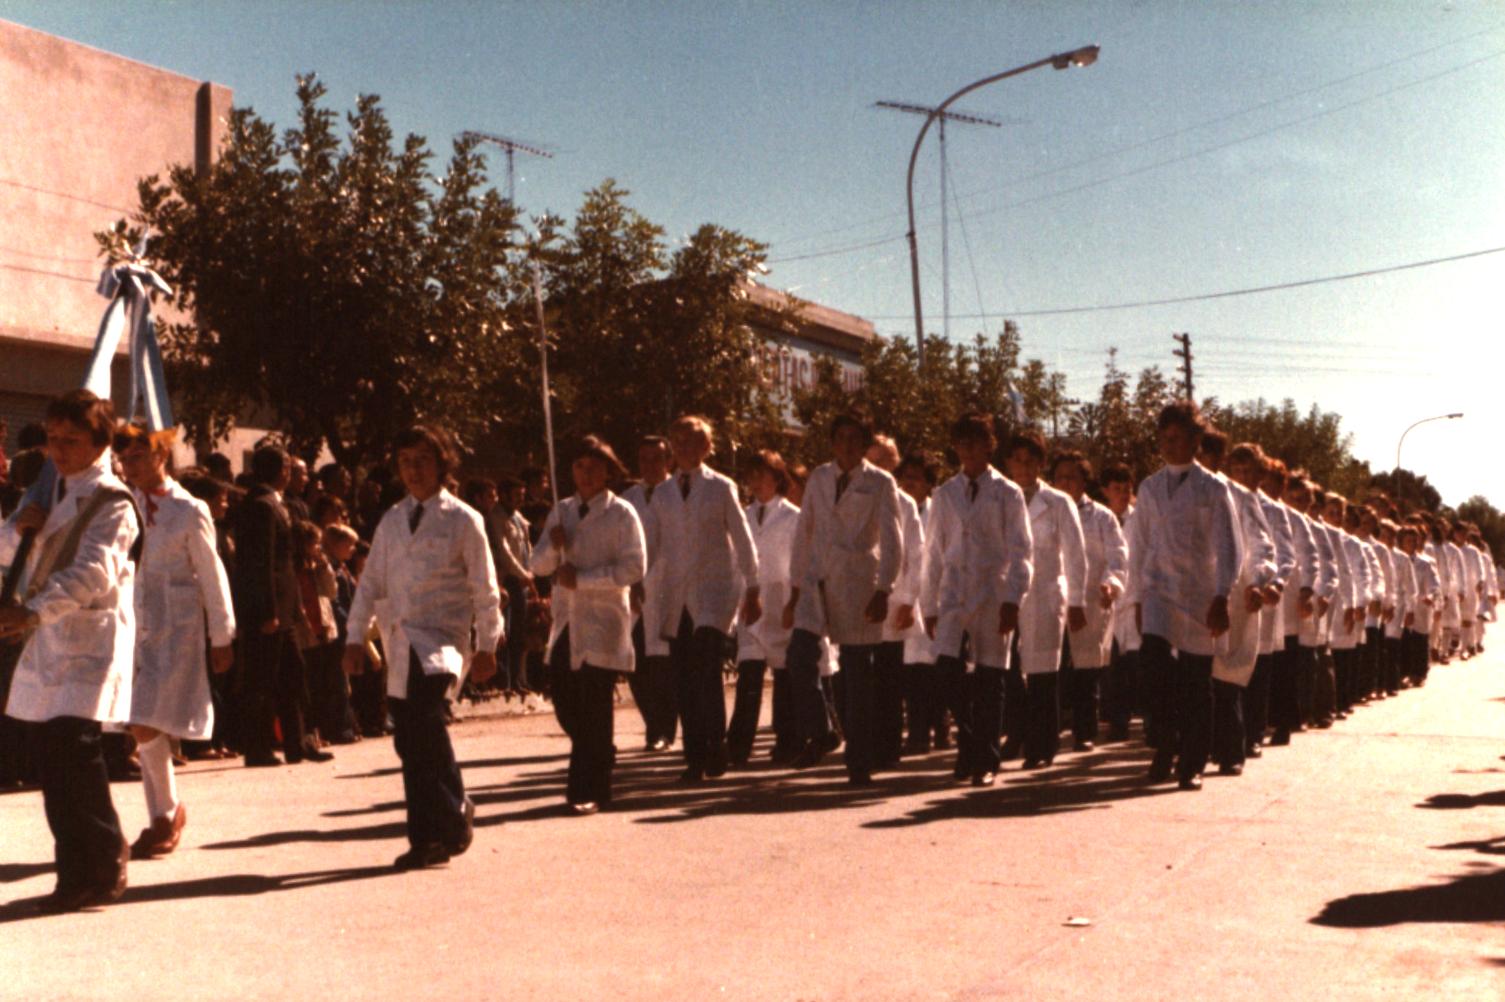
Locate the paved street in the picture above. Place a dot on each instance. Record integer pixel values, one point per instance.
(1359, 863)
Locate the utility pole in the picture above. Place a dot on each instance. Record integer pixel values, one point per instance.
(511, 146)
(1184, 354)
(941, 118)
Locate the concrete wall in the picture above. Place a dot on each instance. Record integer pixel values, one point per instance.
(79, 127)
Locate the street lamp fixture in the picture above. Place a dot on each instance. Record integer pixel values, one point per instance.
(1085, 56)
(1435, 417)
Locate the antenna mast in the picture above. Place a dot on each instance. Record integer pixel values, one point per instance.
(966, 118)
(511, 146)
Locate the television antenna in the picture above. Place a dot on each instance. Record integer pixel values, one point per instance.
(512, 147)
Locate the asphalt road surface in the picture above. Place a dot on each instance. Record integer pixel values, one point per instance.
(1361, 862)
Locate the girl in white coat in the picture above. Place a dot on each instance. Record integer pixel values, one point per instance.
(181, 588)
(927, 720)
(1054, 604)
(75, 670)
(1107, 570)
(905, 620)
(765, 644)
(593, 545)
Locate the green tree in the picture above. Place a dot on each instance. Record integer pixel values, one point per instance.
(338, 290)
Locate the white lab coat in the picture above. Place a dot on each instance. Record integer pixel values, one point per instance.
(701, 551)
(1402, 591)
(639, 495)
(1272, 629)
(1353, 590)
(980, 557)
(1125, 629)
(1458, 586)
(607, 550)
(1183, 552)
(919, 649)
(181, 586)
(911, 577)
(429, 592)
(845, 551)
(1060, 576)
(773, 536)
(78, 661)
(1305, 573)
(1235, 662)
(1316, 631)
(1107, 564)
(1379, 580)
(1428, 590)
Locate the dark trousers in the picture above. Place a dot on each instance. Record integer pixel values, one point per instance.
(513, 656)
(1395, 656)
(1042, 726)
(1121, 689)
(15, 739)
(1084, 687)
(742, 731)
(696, 654)
(1178, 704)
(859, 669)
(925, 710)
(653, 690)
(1345, 682)
(1415, 656)
(584, 698)
(976, 702)
(888, 725)
(430, 775)
(1372, 679)
(1257, 699)
(807, 697)
(273, 689)
(1324, 685)
(1284, 706)
(1229, 732)
(76, 796)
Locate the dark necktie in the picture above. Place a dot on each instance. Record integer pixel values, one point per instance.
(841, 484)
(585, 510)
(415, 518)
(62, 488)
(761, 509)
(1178, 480)
(648, 493)
(684, 486)
(972, 490)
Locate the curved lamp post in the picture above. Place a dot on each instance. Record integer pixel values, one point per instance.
(1436, 417)
(1085, 56)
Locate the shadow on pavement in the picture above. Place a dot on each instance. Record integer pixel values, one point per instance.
(480, 763)
(1468, 897)
(229, 885)
(1463, 801)
(11, 872)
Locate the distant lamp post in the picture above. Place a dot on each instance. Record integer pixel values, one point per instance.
(1436, 417)
(1085, 56)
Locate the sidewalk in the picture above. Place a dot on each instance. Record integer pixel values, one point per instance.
(1359, 863)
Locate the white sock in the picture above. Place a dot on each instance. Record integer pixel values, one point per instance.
(157, 778)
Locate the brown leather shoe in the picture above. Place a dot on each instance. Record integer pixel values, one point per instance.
(105, 889)
(162, 837)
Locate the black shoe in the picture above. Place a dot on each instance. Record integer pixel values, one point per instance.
(984, 778)
(831, 742)
(585, 807)
(859, 779)
(1232, 769)
(1011, 750)
(421, 857)
(311, 754)
(468, 833)
(1280, 739)
(810, 755)
(716, 767)
(1192, 782)
(1254, 751)
(1084, 744)
(1117, 733)
(691, 776)
(1160, 768)
(262, 761)
(1036, 763)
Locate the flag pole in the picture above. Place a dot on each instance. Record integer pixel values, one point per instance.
(543, 365)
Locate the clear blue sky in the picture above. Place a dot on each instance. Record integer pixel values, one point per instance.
(1214, 146)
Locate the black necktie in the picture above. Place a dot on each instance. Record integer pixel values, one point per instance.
(972, 489)
(761, 510)
(1178, 480)
(684, 486)
(648, 493)
(841, 484)
(62, 488)
(415, 518)
(585, 510)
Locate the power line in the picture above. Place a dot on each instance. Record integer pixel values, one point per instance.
(1103, 307)
(1156, 165)
(63, 194)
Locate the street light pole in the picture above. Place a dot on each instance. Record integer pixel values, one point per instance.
(1436, 417)
(1085, 56)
